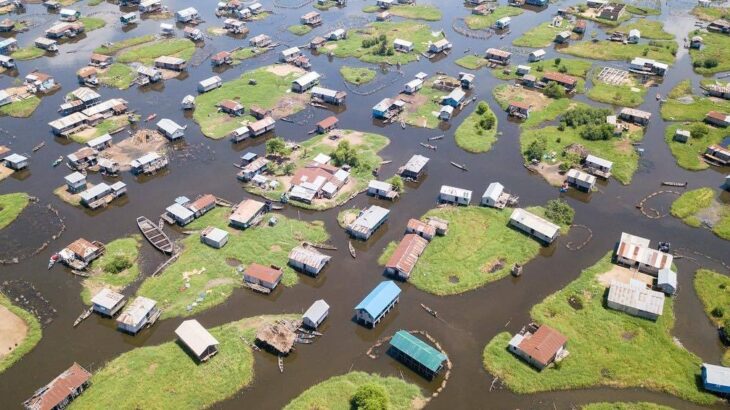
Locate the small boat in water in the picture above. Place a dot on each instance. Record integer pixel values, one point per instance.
(281, 364)
(516, 270)
(155, 235)
(460, 166)
(352, 249)
(58, 161)
(151, 117)
(52, 260)
(85, 314)
(39, 146)
(429, 310)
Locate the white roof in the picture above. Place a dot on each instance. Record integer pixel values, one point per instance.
(455, 192)
(643, 299)
(74, 177)
(195, 336)
(667, 276)
(380, 185)
(581, 176)
(504, 20)
(69, 120)
(67, 12)
(494, 190)
(447, 108)
(322, 158)
(190, 11)
(210, 81)
(634, 33)
(180, 211)
(717, 375)
(298, 191)
(169, 126)
(119, 185)
(538, 224)
(99, 140)
(148, 71)
(324, 91)
(107, 298)
(166, 26)
(416, 163)
(538, 53)
(307, 78)
(148, 3)
(290, 51)
(216, 234)
(15, 158)
(370, 218)
(457, 94)
(103, 107)
(403, 43)
(95, 191)
(414, 83)
(136, 311)
(317, 311)
(145, 159)
(592, 159)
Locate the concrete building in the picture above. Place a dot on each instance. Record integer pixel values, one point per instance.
(107, 302)
(214, 237)
(582, 181)
(261, 275)
(316, 314)
(141, 312)
(539, 347)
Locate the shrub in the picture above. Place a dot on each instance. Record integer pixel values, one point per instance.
(718, 312)
(699, 130)
(370, 397)
(563, 69)
(557, 61)
(558, 211)
(397, 183)
(585, 116)
(554, 90)
(482, 107)
(597, 132)
(344, 154)
(710, 63)
(536, 149)
(117, 264)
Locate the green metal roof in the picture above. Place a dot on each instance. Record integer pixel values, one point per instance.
(418, 350)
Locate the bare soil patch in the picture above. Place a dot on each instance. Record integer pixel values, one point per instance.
(5, 172)
(13, 331)
(551, 173)
(537, 100)
(289, 104)
(283, 70)
(623, 275)
(354, 138)
(129, 149)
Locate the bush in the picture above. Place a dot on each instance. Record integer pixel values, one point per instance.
(117, 264)
(699, 130)
(718, 312)
(554, 90)
(585, 116)
(487, 122)
(397, 183)
(597, 132)
(710, 63)
(344, 154)
(557, 61)
(536, 149)
(482, 107)
(558, 211)
(275, 146)
(563, 69)
(370, 397)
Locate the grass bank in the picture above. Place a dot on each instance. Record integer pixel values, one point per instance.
(212, 272)
(476, 22)
(614, 51)
(692, 108)
(21, 109)
(713, 289)
(710, 13)
(641, 405)
(172, 379)
(689, 154)
(31, 339)
(469, 257)
(11, 205)
(335, 393)
(478, 132)
(28, 53)
(699, 207)
(714, 56)
(104, 127)
(119, 76)
(542, 35)
(92, 23)
(147, 53)
(472, 62)
(357, 75)
(117, 268)
(358, 42)
(650, 29)
(114, 48)
(326, 5)
(416, 12)
(299, 29)
(607, 347)
(631, 94)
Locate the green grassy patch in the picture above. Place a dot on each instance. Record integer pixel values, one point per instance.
(690, 203)
(326, 5)
(104, 127)
(692, 108)
(114, 48)
(689, 154)
(426, 114)
(117, 268)
(474, 134)
(299, 29)
(119, 76)
(21, 109)
(147, 53)
(357, 75)
(714, 56)
(472, 62)
(416, 12)
(244, 53)
(208, 270)
(335, 393)
(93, 3)
(28, 53)
(542, 35)
(643, 11)
(626, 95)
(171, 378)
(607, 347)
(469, 257)
(615, 51)
(268, 90)
(34, 332)
(641, 405)
(92, 23)
(682, 88)
(570, 66)
(713, 289)
(650, 29)
(710, 13)
(355, 46)
(11, 205)
(477, 22)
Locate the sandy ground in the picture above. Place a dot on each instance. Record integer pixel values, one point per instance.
(169, 74)
(217, 31)
(354, 138)
(283, 70)
(349, 217)
(142, 142)
(551, 173)
(18, 92)
(73, 199)
(5, 172)
(4, 149)
(536, 99)
(13, 330)
(623, 275)
(289, 104)
(330, 46)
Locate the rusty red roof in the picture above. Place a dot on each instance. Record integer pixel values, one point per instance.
(560, 78)
(543, 345)
(263, 273)
(55, 392)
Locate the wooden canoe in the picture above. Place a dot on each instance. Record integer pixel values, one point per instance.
(155, 235)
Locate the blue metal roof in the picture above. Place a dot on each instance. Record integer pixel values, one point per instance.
(379, 298)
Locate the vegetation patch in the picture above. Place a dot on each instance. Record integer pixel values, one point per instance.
(11, 205)
(245, 53)
(628, 94)
(416, 12)
(425, 104)
(477, 22)
(689, 154)
(663, 51)
(357, 75)
(650, 29)
(201, 278)
(374, 43)
(172, 379)
(28, 53)
(340, 392)
(713, 289)
(710, 13)
(468, 257)
(326, 5)
(692, 108)
(22, 330)
(105, 127)
(699, 206)
(600, 355)
(714, 56)
(542, 35)
(110, 49)
(570, 66)
(92, 23)
(299, 29)
(478, 131)
(147, 53)
(472, 62)
(119, 76)
(21, 109)
(117, 268)
(641, 405)
(584, 12)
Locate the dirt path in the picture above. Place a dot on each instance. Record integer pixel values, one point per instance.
(13, 331)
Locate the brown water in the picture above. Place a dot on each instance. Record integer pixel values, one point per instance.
(469, 320)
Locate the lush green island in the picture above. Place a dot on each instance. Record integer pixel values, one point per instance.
(478, 131)
(570, 66)
(148, 52)
(607, 347)
(212, 272)
(425, 104)
(374, 43)
(468, 257)
(11, 205)
(699, 206)
(689, 154)
(114, 48)
(357, 75)
(118, 75)
(713, 289)
(338, 393)
(478, 22)
(714, 56)
(542, 35)
(299, 29)
(651, 29)
(628, 94)
(92, 23)
(117, 268)
(21, 109)
(663, 51)
(410, 11)
(683, 106)
(472, 62)
(171, 378)
(28, 53)
(22, 332)
(710, 13)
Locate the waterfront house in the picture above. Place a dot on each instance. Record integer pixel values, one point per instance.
(47, 44)
(311, 19)
(371, 310)
(100, 143)
(581, 180)
(7, 62)
(388, 108)
(483, 9)
(180, 214)
(381, 189)
(246, 213)
(5, 98)
(39, 82)
(579, 27)
(234, 26)
(493, 196)
(316, 314)
(317, 180)
(82, 158)
(681, 135)
(719, 25)
(107, 302)
(568, 82)
(308, 260)
(718, 155)
(256, 8)
(403, 46)
(75, 182)
(648, 66)
(16, 162)
(221, 58)
(502, 23)
(539, 347)
(413, 86)
(612, 11)
(261, 126)
(720, 91)
(6, 25)
(97, 196)
(518, 109)
(635, 299)
(148, 163)
(416, 354)
(439, 46)
(214, 237)
(716, 378)
(726, 185)
(69, 15)
(261, 275)
(149, 74)
(187, 15)
(667, 281)
(562, 37)
(383, 16)
(202, 205)
(197, 340)
(498, 56)
(150, 6)
(209, 84)
(328, 96)
(290, 54)
(138, 314)
(327, 124)
(634, 36)
(466, 80)
(118, 188)
(128, 18)
(61, 391)
(717, 119)
(696, 42)
(534, 225)
(455, 98)
(170, 129)
(598, 166)
(635, 252)
(260, 41)
(61, 30)
(338, 34)
(446, 112)
(367, 222)
(536, 55)
(192, 33)
(68, 123)
(405, 256)
(384, 4)
(523, 70)
(170, 63)
(231, 107)
(253, 168)
(456, 196)
(635, 116)
(305, 82)
(415, 168)
(528, 80)
(421, 229)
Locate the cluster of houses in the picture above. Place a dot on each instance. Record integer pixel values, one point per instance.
(183, 210)
(87, 112)
(318, 180)
(239, 9)
(401, 263)
(295, 57)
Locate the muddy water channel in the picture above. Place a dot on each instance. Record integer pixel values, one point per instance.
(200, 165)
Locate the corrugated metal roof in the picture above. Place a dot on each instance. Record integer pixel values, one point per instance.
(379, 298)
(418, 350)
(195, 336)
(642, 299)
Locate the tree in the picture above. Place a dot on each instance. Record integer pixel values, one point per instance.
(397, 183)
(344, 154)
(563, 69)
(275, 146)
(554, 90)
(594, 132)
(557, 61)
(699, 130)
(289, 168)
(482, 107)
(710, 62)
(117, 264)
(558, 211)
(536, 149)
(370, 397)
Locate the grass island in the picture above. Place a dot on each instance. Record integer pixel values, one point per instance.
(357, 75)
(11, 205)
(478, 22)
(21, 332)
(700, 207)
(410, 11)
(117, 268)
(478, 132)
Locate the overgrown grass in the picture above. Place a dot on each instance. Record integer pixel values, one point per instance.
(713, 289)
(542, 35)
(28, 53)
(126, 43)
(357, 75)
(244, 53)
(615, 51)
(104, 270)
(92, 23)
(710, 13)
(689, 154)
(299, 29)
(684, 110)
(326, 6)
(268, 90)
(32, 337)
(93, 3)
(715, 46)
(549, 113)
(335, 393)
(650, 29)
(104, 127)
(607, 347)
(147, 53)
(208, 271)
(643, 11)
(690, 203)
(21, 109)
(571, 66)
(417, 33)
(11, 205)
(471, 135)
(416, 12)
(468, 256)
(476, 22)
(119, 76)
(641, 405)
(626, 95)
(682, 88)
(472, 62)
(172, 378)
